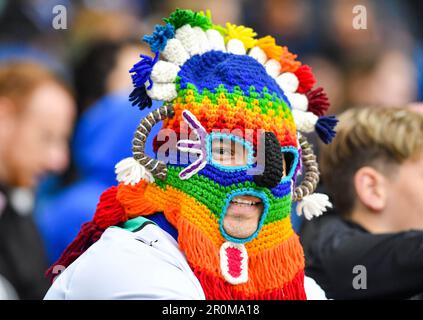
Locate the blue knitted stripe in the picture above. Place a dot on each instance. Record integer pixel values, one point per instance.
(214, 68)
(226, 179)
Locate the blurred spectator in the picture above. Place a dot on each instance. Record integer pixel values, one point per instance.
(36, 114)
(6, 290)
(97, 21)
(102, 138)
(353, 65)
(373, 171)
(105, 69)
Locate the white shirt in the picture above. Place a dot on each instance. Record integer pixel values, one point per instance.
(146, 264)
(123, 265)
(7, 292)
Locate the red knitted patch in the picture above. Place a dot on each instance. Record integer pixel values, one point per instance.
(234, 261)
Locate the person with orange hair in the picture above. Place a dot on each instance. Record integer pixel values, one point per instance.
(209, 217)
(36, 115)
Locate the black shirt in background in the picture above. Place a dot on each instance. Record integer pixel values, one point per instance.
(22, 256)
(393, 262)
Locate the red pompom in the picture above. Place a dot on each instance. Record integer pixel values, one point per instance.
(318, 101)
(305, 77)
(109, 211)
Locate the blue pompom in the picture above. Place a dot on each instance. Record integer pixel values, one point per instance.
(141, 73)
(158, 39)
(324, 128)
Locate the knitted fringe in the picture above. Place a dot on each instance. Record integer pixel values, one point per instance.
(325, 128)
(88, 235)
(217, 289)
(109, 212)
(273, 272)
(133, 201)
(318, 101)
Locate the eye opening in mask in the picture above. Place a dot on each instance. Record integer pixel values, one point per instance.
(229, 152)
(290, 162)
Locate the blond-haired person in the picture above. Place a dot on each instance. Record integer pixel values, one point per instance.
(372, 244)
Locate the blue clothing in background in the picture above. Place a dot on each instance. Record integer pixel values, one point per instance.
(102, 138)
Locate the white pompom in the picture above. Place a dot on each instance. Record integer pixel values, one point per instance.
(164, 72)
(258, 54)
(202, 39)
(216, 40)
(235, 46)
(313, 205)
(129, 171)
(273, 68)
(163, 91)
(298, 101)
(174, 52)
(288, 82)
(304, 121)
(189, 39)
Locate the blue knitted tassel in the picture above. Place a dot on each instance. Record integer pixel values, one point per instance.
(140, 98)
(141, 73)
(324, 128)
(158, 39)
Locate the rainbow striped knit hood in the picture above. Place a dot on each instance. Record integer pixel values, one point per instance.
(222, 83)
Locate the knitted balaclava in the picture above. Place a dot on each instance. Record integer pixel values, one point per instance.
(222, 83)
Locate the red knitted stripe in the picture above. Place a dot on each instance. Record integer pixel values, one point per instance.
(284, 136)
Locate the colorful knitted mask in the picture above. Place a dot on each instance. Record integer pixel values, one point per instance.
(223, 84)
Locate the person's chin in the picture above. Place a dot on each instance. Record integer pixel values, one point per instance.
(242, 221)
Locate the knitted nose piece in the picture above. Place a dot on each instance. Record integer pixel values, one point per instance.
(273, 166)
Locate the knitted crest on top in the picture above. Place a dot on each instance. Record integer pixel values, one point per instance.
(195, 52)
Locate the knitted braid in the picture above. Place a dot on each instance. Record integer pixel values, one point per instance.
(311, 178)
(156, 167)
(273, 169)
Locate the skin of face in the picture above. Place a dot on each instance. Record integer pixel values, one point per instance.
(240, 220)
(390, 202)
(36, 141)
(404, 201)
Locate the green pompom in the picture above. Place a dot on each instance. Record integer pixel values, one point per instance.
(182, 17)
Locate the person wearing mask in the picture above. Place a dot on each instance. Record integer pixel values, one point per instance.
(209, 215)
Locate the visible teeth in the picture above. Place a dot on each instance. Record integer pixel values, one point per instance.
(246, 202)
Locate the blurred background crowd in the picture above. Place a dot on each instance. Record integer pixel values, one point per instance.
(58, 156)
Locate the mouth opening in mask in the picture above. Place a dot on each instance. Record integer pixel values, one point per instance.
(243, 215)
